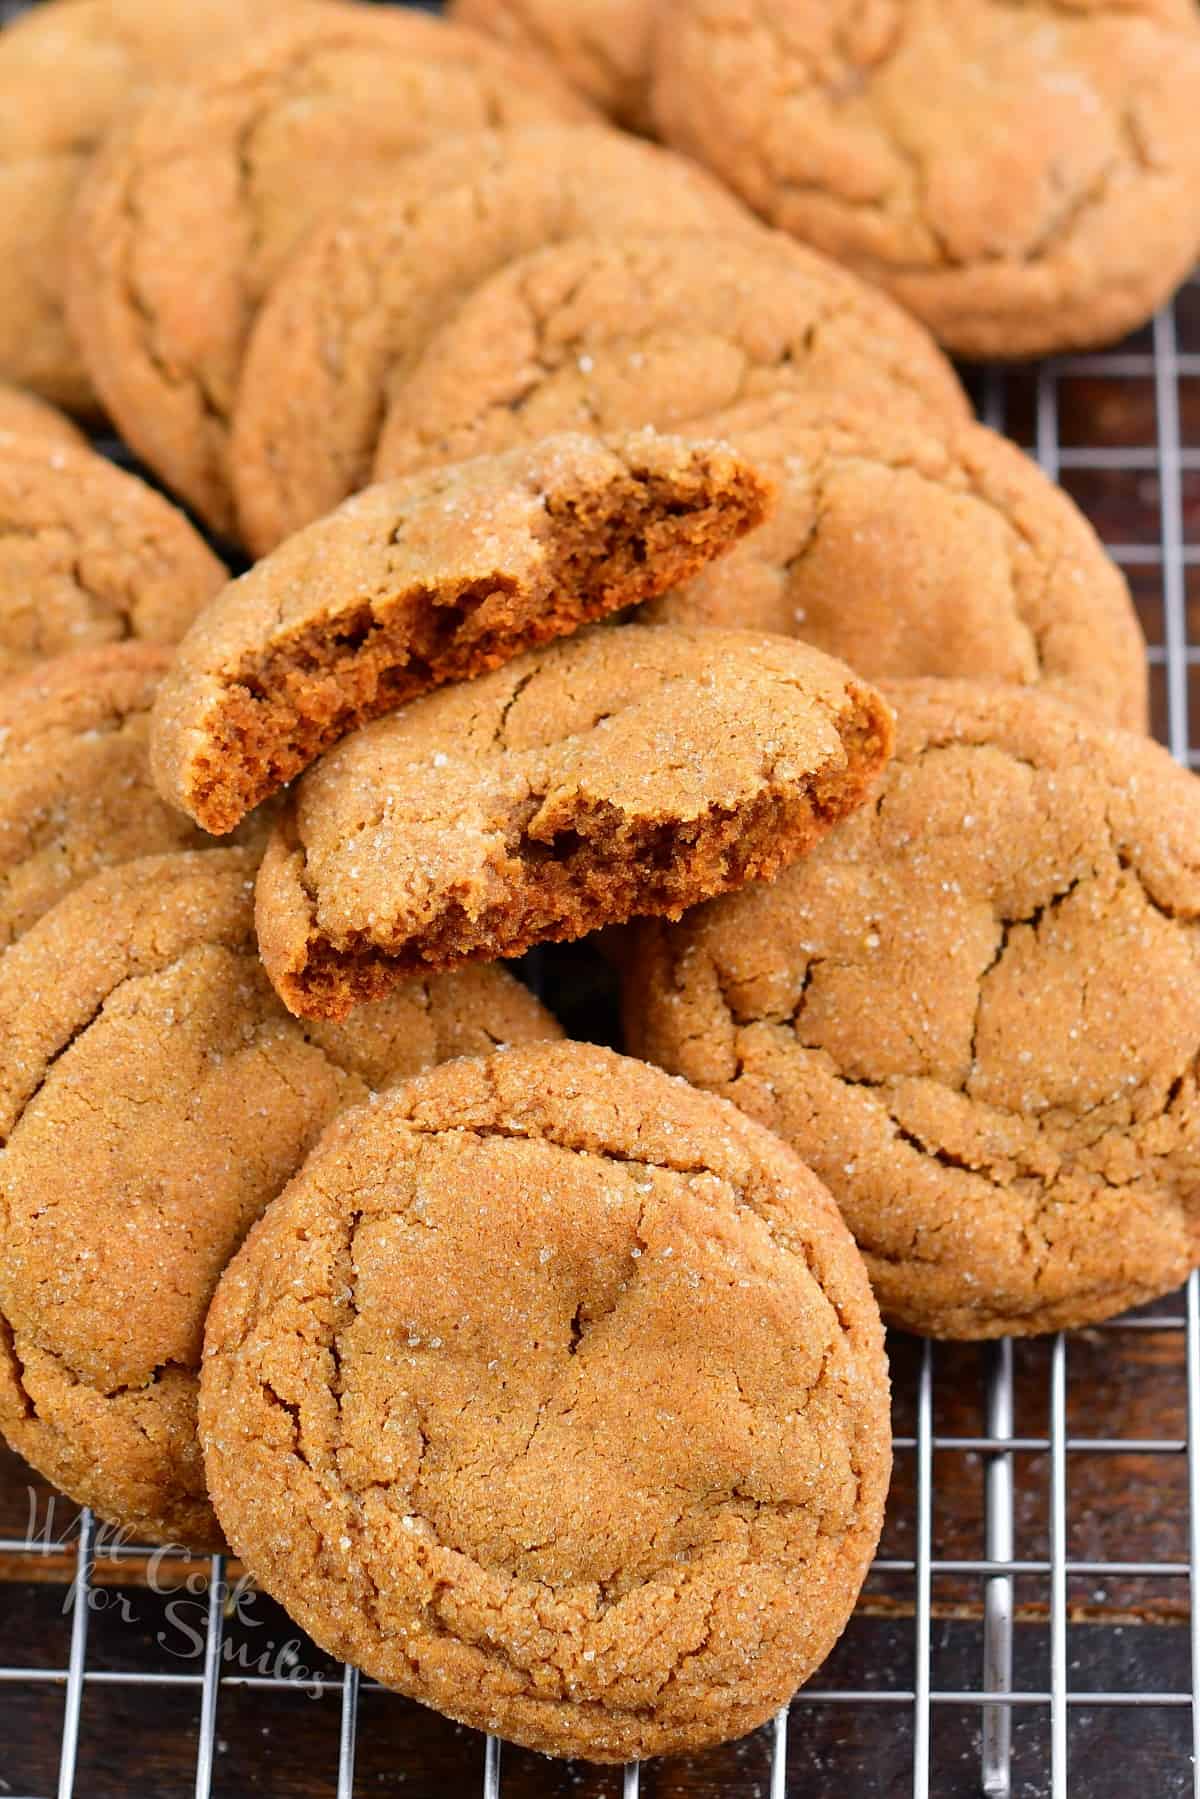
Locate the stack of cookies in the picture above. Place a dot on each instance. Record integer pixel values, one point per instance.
(624, 567)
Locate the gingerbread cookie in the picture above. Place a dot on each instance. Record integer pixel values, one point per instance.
(604, 336)
(75, 788)
(415, 583)
(68, 74)
(24, 415)
(602, 47)
(975, 1009)
(154, 1097)
(1023, 178)
(188, 216)
(618, 773)
(911, 550)
(349, 316)
(90, 555)
(553, 1394)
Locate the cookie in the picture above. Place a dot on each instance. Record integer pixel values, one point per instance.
(602, 47)
(614, 774)
(350, 314)
(24, 415)
(910, 550)
(75, 788)
(553, 1394)
(68, 74)
(975, 1009)
(90, 555)
(188, 216)
(154, 1097)
(415, 583)
(608, 335)
(1023, 178)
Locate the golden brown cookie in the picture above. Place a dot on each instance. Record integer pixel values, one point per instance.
(666, 331)
(553, 1394)
(350, 314)
(415, 583)
(68, 74)
(75, 787)
(154, 1097)
(90, 555)
(24, 415)
(975, 1009)
(189, 215)
(1022, 177)
(602, 47)
(614, 774)
(907, 550)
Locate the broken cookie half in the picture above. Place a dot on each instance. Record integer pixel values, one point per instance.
(620, 773)
(422, 581)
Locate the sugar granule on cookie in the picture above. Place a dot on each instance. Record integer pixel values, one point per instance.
(552, 1393)
(621, 772)
(415, 583)
(154, 1098)
(975, 1010)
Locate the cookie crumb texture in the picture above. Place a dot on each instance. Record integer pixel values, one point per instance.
(602, 47)
(908, 549)
(552, 1393)
(622, 772)
(975, 1010)
(89, 555)
(188, 215)
(416, 583)
(605, 336)
(1022, 177)
(154, 1097)
(347, 320)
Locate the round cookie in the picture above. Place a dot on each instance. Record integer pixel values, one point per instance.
(605, 336)
(24, 415)
(614, 774)
(90, 555)
(187, 217)
(909, 550)
(349, 316)
(75, 788)
(68, 74)
(412, 584)
(975, 1010)
(553, 1394)
(154, 1097)
(1022, 177)
(602, 47)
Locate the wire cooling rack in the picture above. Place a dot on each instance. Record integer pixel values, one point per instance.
(1032, 1624)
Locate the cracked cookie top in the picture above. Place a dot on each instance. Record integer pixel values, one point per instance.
(188, 215)
(617, 773)
(975, 1010)
(602, 47)
(1022, 176)
(607, 335)
(910, 550)
(68, 75)
(552, 1393)
(351, 313)
(154, 1097)
(90, 555)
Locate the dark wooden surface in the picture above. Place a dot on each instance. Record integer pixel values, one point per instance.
(1125, 1634)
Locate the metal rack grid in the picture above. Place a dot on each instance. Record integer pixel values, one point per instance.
(1002, 1682)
